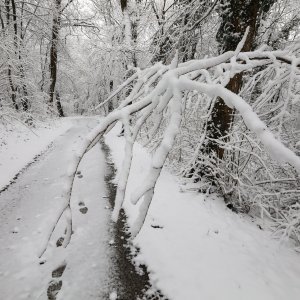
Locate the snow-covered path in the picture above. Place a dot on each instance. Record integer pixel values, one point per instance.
(192, 245)
(27, 211)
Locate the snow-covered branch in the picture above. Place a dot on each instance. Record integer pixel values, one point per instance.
(158, 92)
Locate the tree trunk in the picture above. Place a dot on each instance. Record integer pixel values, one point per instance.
(123, 4)
(59, 106)
(12, 88)
(53, 49)
(24, 101)
(237, 16)
(9, 73)
(110, 103)
(1, 20)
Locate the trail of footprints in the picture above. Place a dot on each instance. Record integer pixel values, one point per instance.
(55, 284)
(83, 209)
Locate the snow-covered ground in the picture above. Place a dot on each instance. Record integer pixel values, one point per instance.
(19, 144)
(196, 248)
(193, 246)
(29, 207)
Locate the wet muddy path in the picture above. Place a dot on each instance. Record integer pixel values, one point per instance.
(130, 284)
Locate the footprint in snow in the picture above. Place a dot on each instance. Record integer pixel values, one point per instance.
(79, 175)
(60, 240)
(53, 289)
(83, 209)
(55, 284)
(59, 271)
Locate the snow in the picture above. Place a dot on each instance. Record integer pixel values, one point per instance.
(87, 256)
(191, 243)
(275, 148)
(28, 209)
(113, 296)
(196, 248)
(20, 144)
(193, 246)
(166, 97)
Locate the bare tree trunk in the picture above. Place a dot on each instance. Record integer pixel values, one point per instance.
(1, 20)
(123, 4)
(9, 72)
(59, 106)
(237, 16)
(110, 103)
(12, 88)
(53, 50)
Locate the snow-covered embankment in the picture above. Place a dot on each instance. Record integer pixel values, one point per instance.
(196, 248)
(19, 145)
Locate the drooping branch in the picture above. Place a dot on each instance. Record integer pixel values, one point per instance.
(273, 146)
(158, 91)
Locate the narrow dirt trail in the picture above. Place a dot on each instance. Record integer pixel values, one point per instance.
(88, 268)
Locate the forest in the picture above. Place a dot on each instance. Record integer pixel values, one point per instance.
(206, 90)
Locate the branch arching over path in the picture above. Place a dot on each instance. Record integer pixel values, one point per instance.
(208, 76)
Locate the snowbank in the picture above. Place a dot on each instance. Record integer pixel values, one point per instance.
(19, 145)
(196, 248)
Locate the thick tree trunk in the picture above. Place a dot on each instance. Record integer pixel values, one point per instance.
(237, 16)
(221, 119)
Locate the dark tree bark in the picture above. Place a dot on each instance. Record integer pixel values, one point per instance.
(123, 4)
(12, 87)
(1, 20)
(53, 50)
(236, 15)
(110, 103)
(59, 106)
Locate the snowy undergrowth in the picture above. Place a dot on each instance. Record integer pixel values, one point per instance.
(19, 144)
(195, 247)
